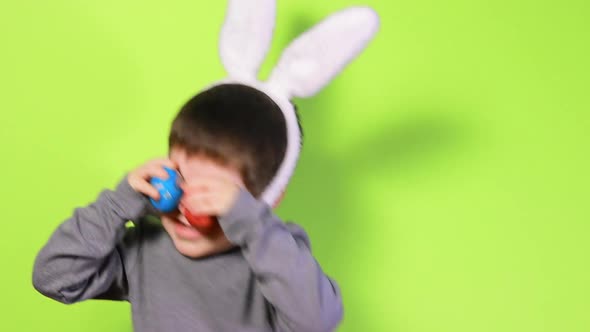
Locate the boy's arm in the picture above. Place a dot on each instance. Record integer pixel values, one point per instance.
(303, 297)
(83, 258)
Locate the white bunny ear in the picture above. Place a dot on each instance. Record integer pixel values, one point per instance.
(314, 58)
(246, 36)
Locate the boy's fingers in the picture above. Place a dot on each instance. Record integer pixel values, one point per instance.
(157, 171)
(140, 177)
(203, 209)
(169, 163)
(161, 162)
(196, 185)
(190, 189)
(199, 199)
(147, 189)
(207, 182)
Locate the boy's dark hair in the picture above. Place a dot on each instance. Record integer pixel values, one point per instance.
(234, 125)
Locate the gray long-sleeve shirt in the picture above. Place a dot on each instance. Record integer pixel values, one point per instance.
(269, 282)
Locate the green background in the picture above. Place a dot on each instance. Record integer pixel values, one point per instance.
(443, 181)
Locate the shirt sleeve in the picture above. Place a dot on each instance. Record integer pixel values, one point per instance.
(304, 299)
(84, 257)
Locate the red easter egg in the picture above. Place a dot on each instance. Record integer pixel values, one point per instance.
(199, 222)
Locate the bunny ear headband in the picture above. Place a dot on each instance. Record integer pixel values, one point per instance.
(306, 65)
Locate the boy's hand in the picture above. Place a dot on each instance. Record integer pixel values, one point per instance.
(209, 195)
(139, 178)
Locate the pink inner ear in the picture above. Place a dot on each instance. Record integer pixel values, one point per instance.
(279, 199)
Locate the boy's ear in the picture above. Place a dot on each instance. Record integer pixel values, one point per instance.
(274, 206)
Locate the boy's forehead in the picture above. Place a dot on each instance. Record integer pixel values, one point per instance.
(190, 165)
(190, 162)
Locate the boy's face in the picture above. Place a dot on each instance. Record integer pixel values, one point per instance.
(188, 240)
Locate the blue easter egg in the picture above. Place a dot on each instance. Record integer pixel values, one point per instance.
(170, 192)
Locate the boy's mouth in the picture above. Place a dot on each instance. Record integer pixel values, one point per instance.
(184, 230)
(182, 219)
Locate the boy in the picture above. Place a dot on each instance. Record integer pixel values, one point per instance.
(250, 272)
